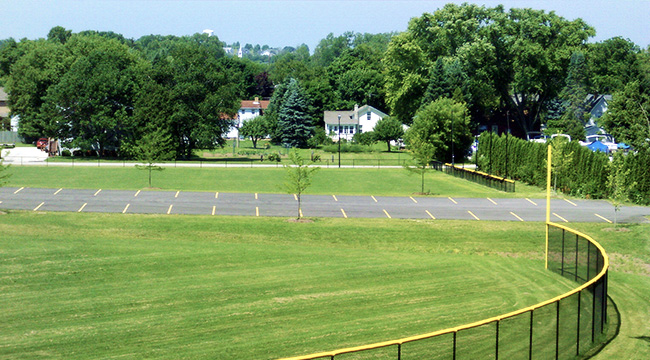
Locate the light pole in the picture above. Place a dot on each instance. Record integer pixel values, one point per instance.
(507, 134)
(339, 130)
(452, 141)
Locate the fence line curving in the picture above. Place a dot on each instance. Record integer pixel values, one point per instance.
(563, 327)
(482, 178)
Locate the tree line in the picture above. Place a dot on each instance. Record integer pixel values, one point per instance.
(535, 68)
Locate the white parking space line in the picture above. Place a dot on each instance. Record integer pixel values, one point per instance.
(335, 199)
(471, 213)
(387, 214)
(82, 207)
(17, 191)
(295, 197)
(344, 214)
(415, 201)
(39, 206)
(126, 208)
(531, 201)
(98, 191)
(570, 202)
(216, 195)
(214, 209)
(169, 211)
(255, 196)
(602, 217)
(452, 200)
(373, 198)
(300, 212)
(136, 193)
(178, 192)
(517, 216)
(428, 213)
(257, 211)
(492, 201)
(58, 191)
(561, 218)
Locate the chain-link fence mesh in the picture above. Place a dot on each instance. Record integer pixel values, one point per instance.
(481, 178)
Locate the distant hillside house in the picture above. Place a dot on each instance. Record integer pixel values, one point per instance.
(361, 119)
(249, 109)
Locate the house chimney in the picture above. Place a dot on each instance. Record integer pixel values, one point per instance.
(356, 112)
(257, 100)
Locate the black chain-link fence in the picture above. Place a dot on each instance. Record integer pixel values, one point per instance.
(482, 178)
(564, 327)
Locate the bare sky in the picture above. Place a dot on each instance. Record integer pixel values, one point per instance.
(286, 23)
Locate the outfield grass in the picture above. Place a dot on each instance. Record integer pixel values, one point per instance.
(80, 286)
(377, 182)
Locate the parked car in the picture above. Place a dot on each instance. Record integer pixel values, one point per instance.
(42, 143)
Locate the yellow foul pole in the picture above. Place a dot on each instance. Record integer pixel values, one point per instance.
(548, 200)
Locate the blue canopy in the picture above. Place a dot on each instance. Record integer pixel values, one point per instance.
(598, 146)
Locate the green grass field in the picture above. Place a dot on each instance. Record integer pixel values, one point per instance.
(103, 286)
(107, 286)
(378, 182)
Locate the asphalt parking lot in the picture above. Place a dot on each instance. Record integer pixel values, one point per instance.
(285, 205)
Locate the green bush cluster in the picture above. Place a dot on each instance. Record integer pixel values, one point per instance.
(576, 169)
(346, 147)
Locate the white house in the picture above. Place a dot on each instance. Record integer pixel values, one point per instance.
(249, 109)
(361, 119)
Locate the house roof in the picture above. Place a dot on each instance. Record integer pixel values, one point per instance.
(350, 116)
(254, 104)
(332, 117)
(3, 94)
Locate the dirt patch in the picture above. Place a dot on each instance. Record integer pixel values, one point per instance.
(2, 212)
(301, 220)
(617, 229)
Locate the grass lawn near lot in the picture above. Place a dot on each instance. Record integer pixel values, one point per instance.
(362, 181)
(78, 286)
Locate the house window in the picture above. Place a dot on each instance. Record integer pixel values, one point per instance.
(368, 114)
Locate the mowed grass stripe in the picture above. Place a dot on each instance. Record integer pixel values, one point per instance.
(383, 182)
(155, 285)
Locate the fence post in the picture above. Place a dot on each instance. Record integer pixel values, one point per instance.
(562, 262)
(496, 352)
(576, 270)
(557, 330)
(530, 346)
(578, 327)
(454, 348)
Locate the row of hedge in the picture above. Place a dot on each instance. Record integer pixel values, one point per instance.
(576, 169)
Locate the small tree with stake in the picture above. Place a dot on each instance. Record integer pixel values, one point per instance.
(423, 154)
(299, 176)
(153, 147)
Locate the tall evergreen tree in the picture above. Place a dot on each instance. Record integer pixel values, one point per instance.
(294, 122)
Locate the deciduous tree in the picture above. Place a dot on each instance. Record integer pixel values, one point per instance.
(255, 128)
(388, 129)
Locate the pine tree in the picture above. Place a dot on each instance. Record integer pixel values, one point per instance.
(294, 122)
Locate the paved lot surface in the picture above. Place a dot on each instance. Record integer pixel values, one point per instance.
(285, 205)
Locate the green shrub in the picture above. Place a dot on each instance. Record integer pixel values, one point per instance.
(274, 157)
(66, 153)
